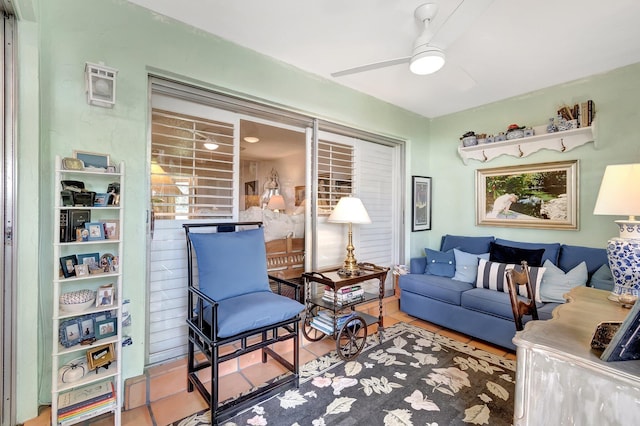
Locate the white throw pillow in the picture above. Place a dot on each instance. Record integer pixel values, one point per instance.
(555, 282)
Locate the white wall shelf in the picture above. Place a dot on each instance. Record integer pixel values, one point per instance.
(559, 141)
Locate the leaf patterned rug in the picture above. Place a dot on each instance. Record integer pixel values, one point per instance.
(415, 377)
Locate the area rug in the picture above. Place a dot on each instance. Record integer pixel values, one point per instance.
(414, 377)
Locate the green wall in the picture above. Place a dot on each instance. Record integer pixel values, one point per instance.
(616, 97)
(54, 119)
(68, 33)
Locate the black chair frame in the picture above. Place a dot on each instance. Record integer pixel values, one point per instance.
(204, 338)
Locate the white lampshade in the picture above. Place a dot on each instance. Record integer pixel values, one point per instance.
(276, 203)
(349, 210)
(619, 191)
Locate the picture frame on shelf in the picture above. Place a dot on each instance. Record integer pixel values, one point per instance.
(421, 203)
(106, 328)
(96, 230)
(101, 200)
(100, 356)
(82, 270)
(93, 160)
(68, 265)
(105, 296)
(112, 229)
(88, 258)
(87, 327)
(543, 195)
(69, 332)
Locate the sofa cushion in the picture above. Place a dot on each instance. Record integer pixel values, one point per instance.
(603, 278)
(467, 265)
(440, 263)
(508, 254)
(551, 250)
(475, 245)
(570, 256)
(555, 282)
(492, 276)
(435, 287)
(490, 302)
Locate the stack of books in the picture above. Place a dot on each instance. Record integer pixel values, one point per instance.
(344, 295)
(86, 400)
(324, 320)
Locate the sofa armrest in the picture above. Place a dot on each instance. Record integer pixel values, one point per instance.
(417, 265)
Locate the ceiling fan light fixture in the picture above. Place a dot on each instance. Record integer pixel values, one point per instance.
(251, 139)
(426, 60)
(211, 146)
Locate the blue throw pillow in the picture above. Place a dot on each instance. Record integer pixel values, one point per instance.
(555, 282)
(603, 278)
(440, 263)
(467, 265)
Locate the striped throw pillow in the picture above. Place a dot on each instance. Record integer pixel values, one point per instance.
(492, 276)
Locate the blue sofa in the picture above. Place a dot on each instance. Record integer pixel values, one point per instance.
(482, 313)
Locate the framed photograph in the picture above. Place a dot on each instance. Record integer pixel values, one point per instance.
(105, 295)
(82, 270)
(625, 344)
(106, 328)
(101, 200)
(299, 195)
(87, 327)
(88, 258)
(112, 229)
(92, 160)
(96, 230)
(421, 203)
(541, 195)
(68, 265)
(100, 356)
(69, 332)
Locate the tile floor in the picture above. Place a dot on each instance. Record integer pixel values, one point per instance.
(167, 405)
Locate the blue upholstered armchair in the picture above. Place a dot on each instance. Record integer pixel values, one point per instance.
(231, 302)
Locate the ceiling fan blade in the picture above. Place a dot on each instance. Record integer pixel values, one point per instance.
(457, 22)
(373, 66)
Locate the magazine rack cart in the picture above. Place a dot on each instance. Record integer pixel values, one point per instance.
(349, 327)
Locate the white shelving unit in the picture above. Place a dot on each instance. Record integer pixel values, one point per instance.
(559, 141)
(98, 182)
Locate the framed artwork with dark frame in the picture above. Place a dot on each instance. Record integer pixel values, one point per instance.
(543, 195)
(420, 203)
(68, 265)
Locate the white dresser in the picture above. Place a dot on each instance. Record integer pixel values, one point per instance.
(561, 381)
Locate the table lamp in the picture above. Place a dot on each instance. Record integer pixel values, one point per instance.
(350, 210)
(620, 196)
(276, 203)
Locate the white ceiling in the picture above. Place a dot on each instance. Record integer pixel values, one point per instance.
(495, 49)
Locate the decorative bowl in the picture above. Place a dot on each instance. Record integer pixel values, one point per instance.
(469, 141)
(77, 301)
(515, 134)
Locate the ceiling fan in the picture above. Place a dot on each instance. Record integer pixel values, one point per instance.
(428, 55)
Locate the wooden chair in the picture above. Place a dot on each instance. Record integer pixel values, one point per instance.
(233, 311)
(285, 260)
(519, 304)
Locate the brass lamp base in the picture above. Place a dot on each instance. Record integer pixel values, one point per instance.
(350, 263)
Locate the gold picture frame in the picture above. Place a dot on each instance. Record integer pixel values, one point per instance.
(543, 195)
(100, 356)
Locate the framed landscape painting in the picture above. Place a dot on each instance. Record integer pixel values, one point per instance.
(541, 195)
(421, 204)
